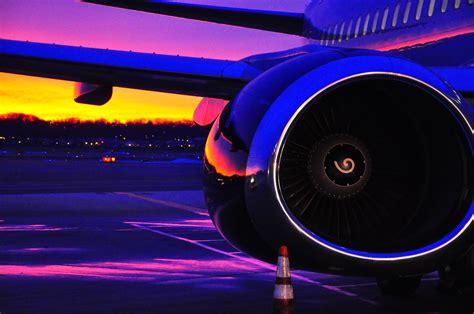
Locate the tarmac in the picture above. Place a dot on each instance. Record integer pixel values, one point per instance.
(67, 248)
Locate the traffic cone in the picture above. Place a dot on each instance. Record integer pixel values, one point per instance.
(283, 293)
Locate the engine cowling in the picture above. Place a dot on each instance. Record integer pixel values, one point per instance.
(360, 162)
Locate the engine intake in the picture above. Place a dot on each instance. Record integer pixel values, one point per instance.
(365, 163)
(360, 163)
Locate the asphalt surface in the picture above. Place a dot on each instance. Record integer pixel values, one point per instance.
(52, 176)
(157, 252)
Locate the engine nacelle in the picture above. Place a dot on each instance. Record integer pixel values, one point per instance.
(92, 94)
(361, 163)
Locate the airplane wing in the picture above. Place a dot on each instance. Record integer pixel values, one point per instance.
(172, 74)
(280, 22)
(462, 78)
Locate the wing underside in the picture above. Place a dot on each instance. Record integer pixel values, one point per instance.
(163, 73)
(153, 72)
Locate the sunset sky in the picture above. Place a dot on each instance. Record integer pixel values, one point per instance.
(71, 22)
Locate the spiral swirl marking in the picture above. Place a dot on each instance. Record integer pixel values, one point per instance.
(348, 166)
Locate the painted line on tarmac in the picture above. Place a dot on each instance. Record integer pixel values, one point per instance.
(214, 240)
(368, 284)
(202, 212)
(253, 261)
(192, 209)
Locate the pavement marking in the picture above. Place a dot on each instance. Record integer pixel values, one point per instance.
(252, 261)
(216, 240)
(368, 284)
(202, 212)
(192, 209)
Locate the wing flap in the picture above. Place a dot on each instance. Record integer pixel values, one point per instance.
(154, 72)
(281, 22)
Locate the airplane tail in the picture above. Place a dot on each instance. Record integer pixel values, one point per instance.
(280, 22)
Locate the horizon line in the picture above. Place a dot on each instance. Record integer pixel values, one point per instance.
(74, 120)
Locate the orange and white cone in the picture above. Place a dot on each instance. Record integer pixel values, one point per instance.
(283, 293)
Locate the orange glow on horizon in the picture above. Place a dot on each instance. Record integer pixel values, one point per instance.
(31, 118)
(52, 100)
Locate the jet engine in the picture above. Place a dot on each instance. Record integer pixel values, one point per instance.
(361, 163)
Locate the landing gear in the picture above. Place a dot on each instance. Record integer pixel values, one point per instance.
(398, 285)
(455, 277)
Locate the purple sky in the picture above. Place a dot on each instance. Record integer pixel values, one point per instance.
(71, 22)
(75, 23)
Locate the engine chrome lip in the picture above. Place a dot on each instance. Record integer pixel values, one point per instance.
(381, 257)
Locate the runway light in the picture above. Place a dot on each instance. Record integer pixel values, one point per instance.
(108, 159)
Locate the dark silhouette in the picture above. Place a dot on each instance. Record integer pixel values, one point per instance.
(28, 126)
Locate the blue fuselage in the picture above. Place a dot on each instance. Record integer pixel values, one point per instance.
(433, 32)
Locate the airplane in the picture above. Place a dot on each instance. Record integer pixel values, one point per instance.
(354, 150)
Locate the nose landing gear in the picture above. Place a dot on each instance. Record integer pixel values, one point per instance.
(453, 279)
(399, 285)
